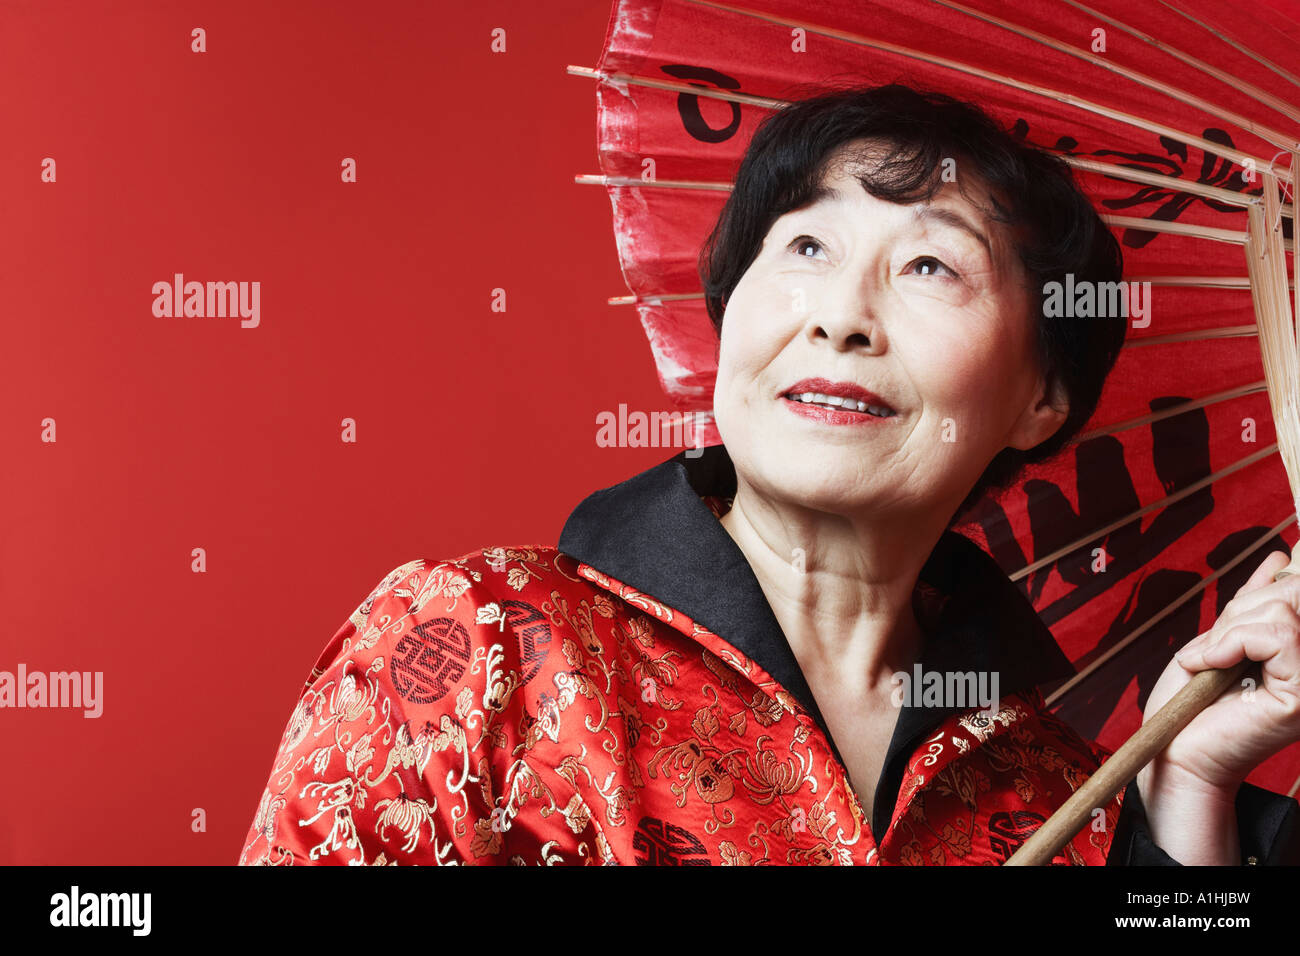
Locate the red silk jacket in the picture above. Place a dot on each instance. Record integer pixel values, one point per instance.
(629, 698)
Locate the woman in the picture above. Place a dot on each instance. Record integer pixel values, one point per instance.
(707, 670)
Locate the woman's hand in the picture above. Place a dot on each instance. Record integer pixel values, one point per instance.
(1190, 789)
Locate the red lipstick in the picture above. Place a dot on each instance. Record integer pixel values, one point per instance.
(851, 411)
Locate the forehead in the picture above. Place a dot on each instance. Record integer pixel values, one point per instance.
(871, 159)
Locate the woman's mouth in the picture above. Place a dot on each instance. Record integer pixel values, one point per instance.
(834, 409)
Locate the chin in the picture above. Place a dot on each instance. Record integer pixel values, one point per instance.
(824, 481)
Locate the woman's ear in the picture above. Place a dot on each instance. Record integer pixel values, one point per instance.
(1043, 416)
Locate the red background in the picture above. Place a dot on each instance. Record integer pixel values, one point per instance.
(474, 427)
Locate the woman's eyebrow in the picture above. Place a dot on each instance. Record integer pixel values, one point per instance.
(820, 194)
(950, 217)
(921, 212)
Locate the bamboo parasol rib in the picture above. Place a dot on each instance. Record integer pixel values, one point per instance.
(1058, 96)
(1266, 264)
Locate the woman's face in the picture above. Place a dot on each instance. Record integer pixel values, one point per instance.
(922, 305)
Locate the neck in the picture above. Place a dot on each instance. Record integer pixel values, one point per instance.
(840, 586)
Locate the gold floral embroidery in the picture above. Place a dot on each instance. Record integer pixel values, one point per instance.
(639, 736)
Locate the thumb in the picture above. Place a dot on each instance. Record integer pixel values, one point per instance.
(1275, 562)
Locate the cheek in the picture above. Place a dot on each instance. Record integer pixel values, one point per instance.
(953, 376)
(727, 389)
(750, 340)
(971, 378)
(735, 379)
(950, 371)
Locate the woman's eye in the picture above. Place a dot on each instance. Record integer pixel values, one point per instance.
(931, 265)
(804, 242)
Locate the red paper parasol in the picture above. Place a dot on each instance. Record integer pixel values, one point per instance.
(1176, 119)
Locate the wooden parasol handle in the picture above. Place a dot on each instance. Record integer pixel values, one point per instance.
(1151, 738)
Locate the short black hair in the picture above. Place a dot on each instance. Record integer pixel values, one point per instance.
(1056, 227)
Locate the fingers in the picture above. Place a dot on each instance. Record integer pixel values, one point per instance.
(1260, 633)
(1254, 602)
(1261, 588)
(1275, 562)
(1258, 640)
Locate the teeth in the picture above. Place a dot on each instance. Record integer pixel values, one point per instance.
(836, 401)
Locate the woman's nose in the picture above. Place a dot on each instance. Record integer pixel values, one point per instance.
(848, 312)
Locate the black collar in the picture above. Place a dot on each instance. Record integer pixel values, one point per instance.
(655, 533)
